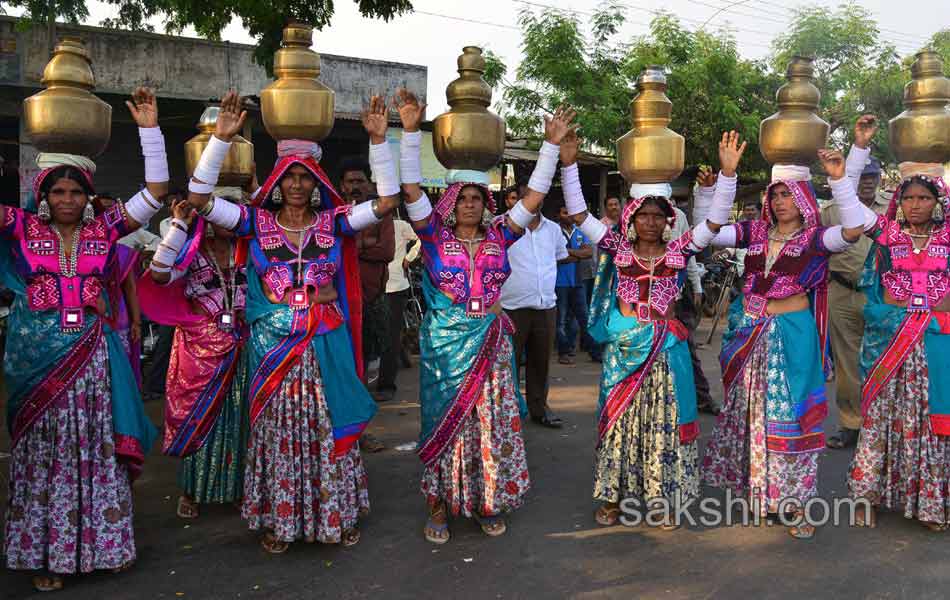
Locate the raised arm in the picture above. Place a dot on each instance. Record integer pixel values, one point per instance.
(163, 261)
(219, 211)
(703, 198)
(864, 129)
(376, 121)
(411, 113)
(855, 216)
(707, 231)
(141, 207)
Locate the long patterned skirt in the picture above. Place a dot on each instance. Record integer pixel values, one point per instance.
(294, 486)
(485, 470)
(900, 464)
(737, 456)
(641, 456)
(215, 473)
(70, 505)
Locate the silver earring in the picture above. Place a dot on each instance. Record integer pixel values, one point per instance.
(276, 197)
(632, 233)
(667, 233)
(315, 199)
(487, 218)
(42, 211)
(938, 214)
(88, 213)
(449, 219)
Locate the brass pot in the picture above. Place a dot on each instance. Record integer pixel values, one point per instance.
(66, 116)
(922, 132)
(651, 152)
(794, 134)
(296, 106)
(238, 167)
(469, 136)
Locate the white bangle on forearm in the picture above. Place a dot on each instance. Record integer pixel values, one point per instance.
(420, 209)
(209, 165)
(520, 215)
(410, 163)
(855, 162)
(202, 189)
(224, 213)
(571, 186)
(833, 239)
(723, 198)
(702, 201)
(544, 169)
(255, 194)
(169, 247)
(702, 235)
(142, 207)
(153, 149)
(362, 216)
(384, 169)
(593, 229)
(850, 210)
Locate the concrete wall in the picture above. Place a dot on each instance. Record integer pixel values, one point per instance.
(189, 68)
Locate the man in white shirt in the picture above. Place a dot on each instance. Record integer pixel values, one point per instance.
(397, 293)
(529, 299)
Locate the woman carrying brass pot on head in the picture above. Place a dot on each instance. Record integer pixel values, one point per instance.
(471, 443)
(79, 433)
(304, 477)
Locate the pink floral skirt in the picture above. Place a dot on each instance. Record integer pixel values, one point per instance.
(485, 469)
(737, 456)
(70, 505)
(900, 464)
(294, 486)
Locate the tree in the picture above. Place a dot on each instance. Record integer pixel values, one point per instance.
(711, 87)
(263, 20)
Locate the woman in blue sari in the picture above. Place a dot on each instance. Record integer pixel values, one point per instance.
(471, 443)
(78, 430)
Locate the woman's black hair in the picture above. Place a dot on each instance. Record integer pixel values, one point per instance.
(481, 192)
(65, 172)
(919, 180)
(659, 202)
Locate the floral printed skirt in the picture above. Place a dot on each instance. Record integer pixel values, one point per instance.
(294, 486)
(737, 456)
(641, 456)
(70, 505)
(215, 473)
(900, 464)
(485, 469)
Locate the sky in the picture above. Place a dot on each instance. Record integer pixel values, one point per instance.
(434, 34)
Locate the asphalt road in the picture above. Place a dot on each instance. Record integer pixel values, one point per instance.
(553, 548)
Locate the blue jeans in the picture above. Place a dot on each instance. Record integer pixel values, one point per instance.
(571, 314)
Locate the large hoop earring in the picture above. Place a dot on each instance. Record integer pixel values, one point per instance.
(88, 213)
(276, 197)
(42, 211)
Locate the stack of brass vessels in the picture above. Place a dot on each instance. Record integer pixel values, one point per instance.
(238, 167)
(651, 152)
(296, 105)
(66, 116)
(794, 134)
(469, 136)
(922, 132)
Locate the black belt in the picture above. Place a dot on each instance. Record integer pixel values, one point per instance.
(842, 280)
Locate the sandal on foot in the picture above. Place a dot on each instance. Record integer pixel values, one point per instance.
(845, 438)
(492, 526)
(123, 568)
(863, 519)
(936, 527)
(272, 545)
(607, 515)
(47, 583)
(670, 526)
(351, 537)
(805, 531)
(187, 508)
(437, 533)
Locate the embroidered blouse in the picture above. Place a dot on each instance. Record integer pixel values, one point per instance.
(460, 277)
(36, 259)
(921, 278)
(204, 287)
(636, 286)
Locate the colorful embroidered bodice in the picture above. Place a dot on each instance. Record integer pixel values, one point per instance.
(36, 259)
(801, 266)
(203, 286)
(449, 268)
(921, 278)
(274, 256)
(633, 274)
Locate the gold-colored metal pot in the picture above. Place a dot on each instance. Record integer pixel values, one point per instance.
(651, 152)
(296, 106)
(469, 136)
(922, 132)
(66, 116)
(793, 135)
(238, 167)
